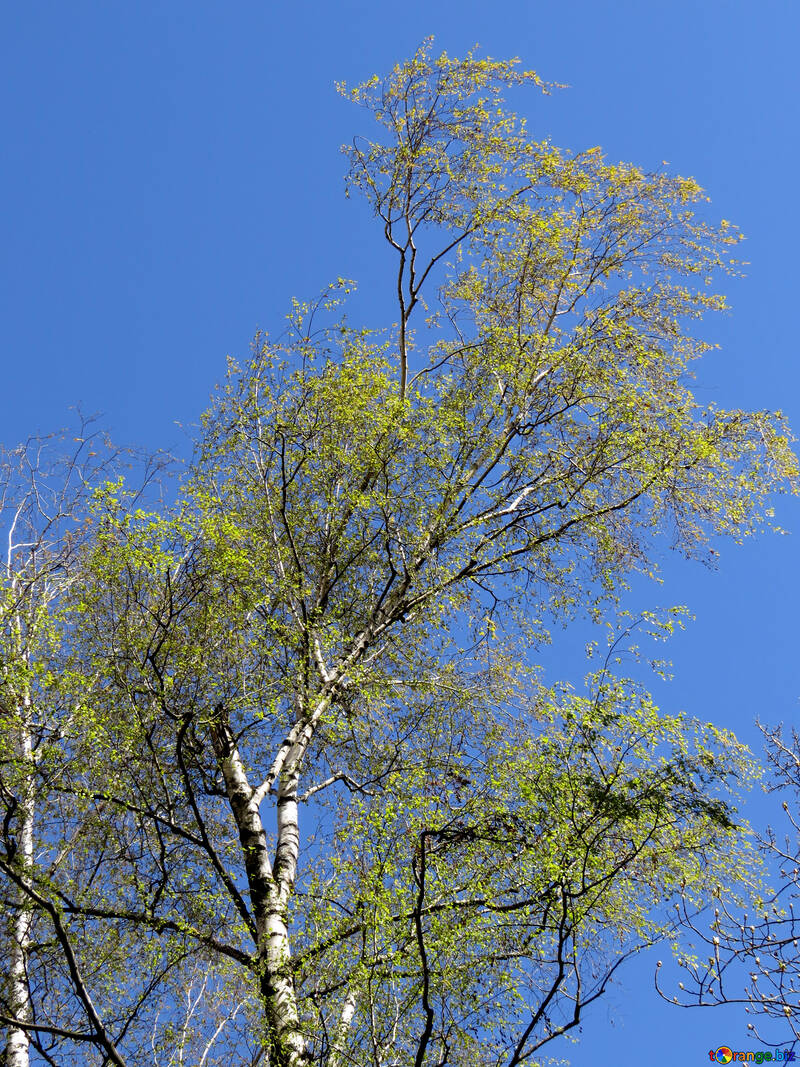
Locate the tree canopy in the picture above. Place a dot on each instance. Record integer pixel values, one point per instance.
(283, 781)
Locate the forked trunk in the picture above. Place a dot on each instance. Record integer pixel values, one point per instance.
(269, 895)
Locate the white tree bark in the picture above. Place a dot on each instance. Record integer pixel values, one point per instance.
(339, 1043)
(270, 890)
(18, 1042)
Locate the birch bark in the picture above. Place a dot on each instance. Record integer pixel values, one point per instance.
(18, 1044)
(270, 888)
(339, 1043)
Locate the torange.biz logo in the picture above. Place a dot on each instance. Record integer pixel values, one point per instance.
(723, 1054)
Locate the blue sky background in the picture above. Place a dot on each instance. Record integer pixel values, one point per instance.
(171, 178)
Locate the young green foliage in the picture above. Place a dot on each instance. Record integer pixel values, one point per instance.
(326, 778)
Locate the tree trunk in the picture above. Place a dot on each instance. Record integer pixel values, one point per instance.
(269, 895)
(336, 1057)
(287, 1044)
(18, 1043)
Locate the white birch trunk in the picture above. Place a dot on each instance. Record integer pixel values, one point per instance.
(339, 1043)
(18, 1043)
(270, 890)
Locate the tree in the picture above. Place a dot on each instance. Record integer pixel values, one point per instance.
(338, 616)
(753, 959)
(43, 512)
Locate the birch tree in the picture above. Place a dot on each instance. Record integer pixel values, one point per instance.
(336, 780)
(49, 967)
(751, 958)
(43, 496)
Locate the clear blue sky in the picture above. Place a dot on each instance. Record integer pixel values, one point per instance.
(171, 178)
